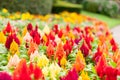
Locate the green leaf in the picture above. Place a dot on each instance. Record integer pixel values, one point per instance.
(112, 63)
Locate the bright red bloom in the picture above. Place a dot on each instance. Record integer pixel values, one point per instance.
(29, 27)
(67, 47)
(98, 54)
(114, 45)
(51, 35)
(9, 40)
(35, 35)
(85, 49)
(8, 29)
(72, 75)
(101, 64)
(67, 28)
(111, 73)
(56, 29)
(60, 33)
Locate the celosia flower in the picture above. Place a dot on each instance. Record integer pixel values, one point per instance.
(79, 62)
(54, 69)
(85, 49)
(33, 47)
(67, 47)
(84, 76)
(4, 10)
(35, 35)
(13, 62)
(24, 31)
(34, 56)
(24, 72)
(63, 61)
(98, 54)
(56, 29)
(111, 73)
(14, 48)
(8, 29)
(5, 76)
(2, 37)
(42, 61)
(27, 37)
(72, 75)
(114, 45)
(50, 50)
(29, 27)
(59, 52)
(46, 29)
(101, 64)
(10, 39)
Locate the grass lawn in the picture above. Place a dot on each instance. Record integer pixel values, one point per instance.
(112, 22)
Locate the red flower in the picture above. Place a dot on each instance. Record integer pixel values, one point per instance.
(60, 33)
(98, 54)
(111, 73)
(114, 45)
(29, 27)
(56, 29)
(100, 66)
(72, 75)
(51, 35)
(35, 35)
(9, 40)
(85, 49)
(8, 29)
(67, 47)
(67, 28)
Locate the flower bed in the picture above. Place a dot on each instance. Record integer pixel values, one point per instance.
(59, 52)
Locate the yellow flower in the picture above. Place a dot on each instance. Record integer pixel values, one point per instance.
(42, 61)
(71, 35)
(2, 37)
(26, 16)
(14, 48)
(54, 70)
(63, 61)
(24, 31)
(4, 10)
(80, 55)
(20, 38)
(45, 38)
(84, 76)
(63, 39)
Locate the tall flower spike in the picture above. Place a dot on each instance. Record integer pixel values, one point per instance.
(79, 62)
(50, 50)
(8, 29)
(14, 48)
(59, 52)
(2, 37)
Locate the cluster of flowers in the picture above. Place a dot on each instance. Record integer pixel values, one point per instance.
(60, 53)
(64, 16)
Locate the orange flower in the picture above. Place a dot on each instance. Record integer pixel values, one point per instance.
(50, 50)
(33, 46)
(59, 52)
(80, 62)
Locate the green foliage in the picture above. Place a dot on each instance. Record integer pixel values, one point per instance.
(33, 6)
(107, 7)
(60, 6)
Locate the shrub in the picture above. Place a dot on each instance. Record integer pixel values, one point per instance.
(107, 7)
(33, 6)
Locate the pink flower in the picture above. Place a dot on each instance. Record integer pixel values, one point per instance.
(72, 75)
(5, 76)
